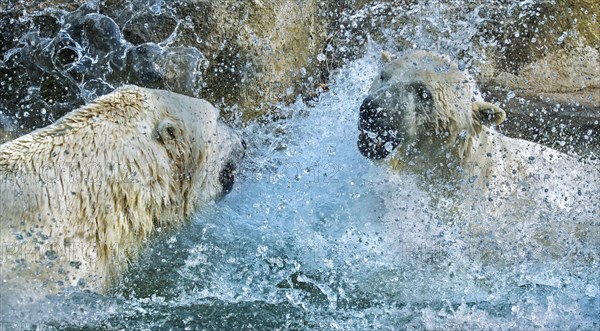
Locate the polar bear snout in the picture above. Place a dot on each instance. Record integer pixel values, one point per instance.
(370, 114)
(230, 167)
(234, 150)
(376, 139)
(227, 177)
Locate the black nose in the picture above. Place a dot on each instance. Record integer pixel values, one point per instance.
(369, 113)
(244, 144)
(375, 133)
(227, 177)
(369, 105)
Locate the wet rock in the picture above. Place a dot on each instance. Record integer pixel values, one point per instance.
(249, 55)
(33, 6)
(259, 53)
(528, 32)
(57, 60)
(148, 27)
(8, 133)
(544, 48)
(567, 70)
(544, 69)
(142, 63)
(178, 69)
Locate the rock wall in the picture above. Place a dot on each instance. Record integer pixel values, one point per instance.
(538, 46)
(259, 52)
(238, 54)
(545, 70)
(546, 47)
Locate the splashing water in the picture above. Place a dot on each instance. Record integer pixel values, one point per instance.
(314, 236)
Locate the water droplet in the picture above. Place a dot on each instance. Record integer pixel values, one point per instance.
(331, 151)
(156, 8)
(388, 147)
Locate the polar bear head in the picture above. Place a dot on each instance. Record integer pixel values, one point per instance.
(423, 107)
(204, 150)
(106, 177)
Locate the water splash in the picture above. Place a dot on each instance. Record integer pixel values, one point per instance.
(314, 236)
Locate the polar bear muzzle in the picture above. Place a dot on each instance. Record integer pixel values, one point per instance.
(393, 114)
(376, 139)
(231, 160)
(227, 177)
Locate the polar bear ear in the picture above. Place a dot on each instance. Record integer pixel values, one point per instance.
(486, 113)
(387, 57)
(167, 132)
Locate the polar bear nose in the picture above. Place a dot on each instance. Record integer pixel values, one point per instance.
(227, 177)
(376, 138)
(369, 112)
(369, 107)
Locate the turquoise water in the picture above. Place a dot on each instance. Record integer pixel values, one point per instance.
(316, 237)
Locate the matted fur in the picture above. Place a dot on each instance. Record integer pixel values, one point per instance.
(80, 197)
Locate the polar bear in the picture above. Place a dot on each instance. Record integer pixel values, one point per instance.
(80, 197)
(501, 202)
(426, 117)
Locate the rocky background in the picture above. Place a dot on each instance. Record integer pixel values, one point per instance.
(538, 59)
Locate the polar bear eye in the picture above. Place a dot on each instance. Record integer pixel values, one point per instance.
(422, 92)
